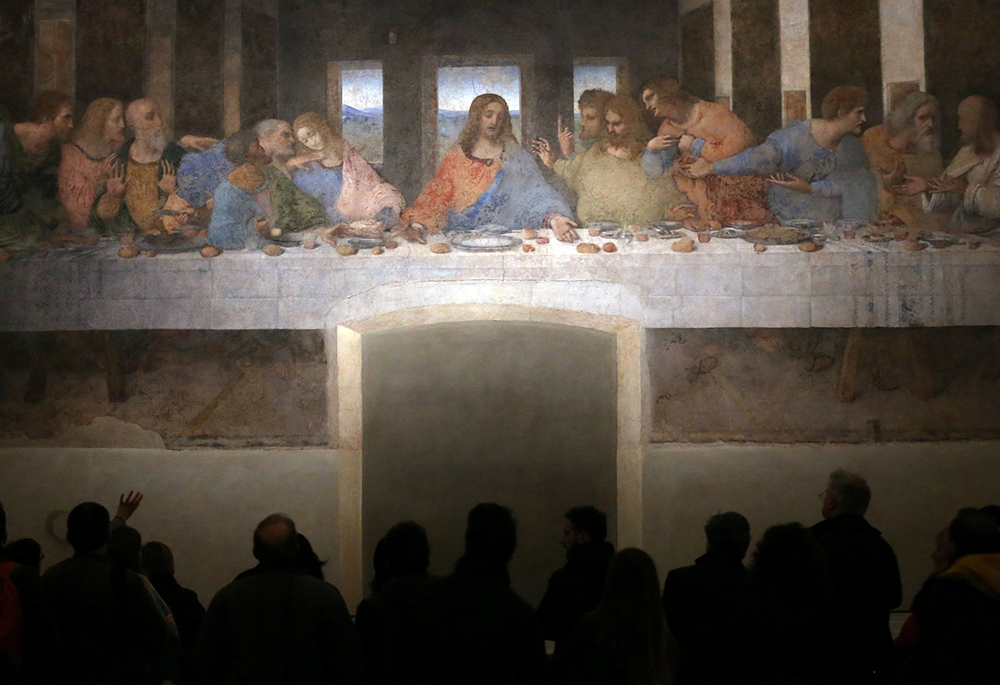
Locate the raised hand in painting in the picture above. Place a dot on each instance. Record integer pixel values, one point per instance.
(567, 141)
(543, 149)
(168, 177)
(116, 181)
(128, 504)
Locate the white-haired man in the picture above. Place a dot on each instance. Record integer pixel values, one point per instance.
(145, 174)
(907, 144)
(864, 579)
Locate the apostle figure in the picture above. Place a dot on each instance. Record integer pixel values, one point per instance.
(907, 144)
(339, 177)
(608, 177)
(244, 210)
(972, 180)
(29, 162)
(593, 105)
(694, 128)
(818, 168)
(201, 173)
(487, 178)
(144, 175)
(88, 160)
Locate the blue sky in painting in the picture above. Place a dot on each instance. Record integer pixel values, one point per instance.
(457, 86)
(361, 88)
(587, 77)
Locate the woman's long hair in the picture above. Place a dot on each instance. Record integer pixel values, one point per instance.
(332, 143)
(467, 138)
(630, 619)
(89, 134)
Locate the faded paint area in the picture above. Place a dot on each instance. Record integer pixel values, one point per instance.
(225, 388)
(778, 385)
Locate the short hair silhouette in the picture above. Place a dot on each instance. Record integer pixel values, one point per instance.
(589, 520)
(728, 534)
(491, 532)
(87, 527)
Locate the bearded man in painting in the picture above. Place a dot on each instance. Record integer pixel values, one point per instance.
(608, 177)
(487, 178)
(972, 180)
(144, 175)
(907, 144)
(593, 106)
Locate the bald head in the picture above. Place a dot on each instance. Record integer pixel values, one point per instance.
(977, 121)
(275, 539)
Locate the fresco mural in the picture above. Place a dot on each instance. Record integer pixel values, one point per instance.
(190, 130)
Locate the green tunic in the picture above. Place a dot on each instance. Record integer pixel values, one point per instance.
(29, 190)
(296, 210)
(614, 189)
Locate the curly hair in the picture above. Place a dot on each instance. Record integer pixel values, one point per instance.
(47, 105)
(841, 98)
(467, 138)
(321, 125)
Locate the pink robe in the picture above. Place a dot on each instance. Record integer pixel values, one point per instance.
(80, 176)
(365, 192)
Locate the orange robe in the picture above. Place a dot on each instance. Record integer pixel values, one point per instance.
(457, 185)
(723, 198)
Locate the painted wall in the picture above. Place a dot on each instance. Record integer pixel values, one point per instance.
(916, 490)
(204, 504)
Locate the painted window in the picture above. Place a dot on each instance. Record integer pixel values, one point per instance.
(458, 86)
(361, 108)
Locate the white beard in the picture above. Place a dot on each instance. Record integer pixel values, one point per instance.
(155, 139)
(927, 142)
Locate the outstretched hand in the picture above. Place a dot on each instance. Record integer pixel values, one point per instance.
(410, 232)
(791, 182)
(563, 227)
(698, 168)
(913, 185)
(128, 504)
(661, 143)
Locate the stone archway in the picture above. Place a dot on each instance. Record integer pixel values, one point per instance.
(345, 343)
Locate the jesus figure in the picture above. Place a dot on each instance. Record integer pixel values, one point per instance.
(488, 178)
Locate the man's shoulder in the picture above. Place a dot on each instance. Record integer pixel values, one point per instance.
(251, 585)
(875, 134)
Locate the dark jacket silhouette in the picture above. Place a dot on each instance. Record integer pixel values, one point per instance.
(865, 586)
(574, 589)
(278, 626)
(473, 628)
(958, 618)
(698, 602)
(110, 628)
(385, 622)
(186, 609)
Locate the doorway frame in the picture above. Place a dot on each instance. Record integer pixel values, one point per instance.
(345, 347)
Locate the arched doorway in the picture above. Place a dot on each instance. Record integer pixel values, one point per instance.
(622, 339)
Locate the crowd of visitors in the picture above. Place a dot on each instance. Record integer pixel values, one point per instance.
(811, 607)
